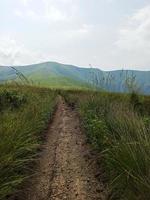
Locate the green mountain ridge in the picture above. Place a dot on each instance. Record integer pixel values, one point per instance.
(62, 75)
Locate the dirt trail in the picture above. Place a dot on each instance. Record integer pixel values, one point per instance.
(66, 168)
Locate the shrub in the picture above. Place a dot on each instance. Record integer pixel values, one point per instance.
(11, 99)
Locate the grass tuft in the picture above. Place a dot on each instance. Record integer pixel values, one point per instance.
(24, 115)
(118, 126)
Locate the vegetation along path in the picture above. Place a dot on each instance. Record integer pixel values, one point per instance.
(66, 169)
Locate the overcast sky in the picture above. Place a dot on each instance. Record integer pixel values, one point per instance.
(109, 34)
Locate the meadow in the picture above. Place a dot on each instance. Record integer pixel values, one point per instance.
(118, 127)
(24, 115)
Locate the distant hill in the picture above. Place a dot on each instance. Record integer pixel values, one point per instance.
(60, 75)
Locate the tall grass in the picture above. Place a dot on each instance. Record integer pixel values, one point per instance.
(21, 131)
(128, 154)
(117, 128)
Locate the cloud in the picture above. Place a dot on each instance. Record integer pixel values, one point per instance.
(18, 13)
(12, 53)
(133, 45)
(25, 2)
(82, 32)
(77, 32)
(54, 14)
(49, 11)
(135, 36)
(8, 50)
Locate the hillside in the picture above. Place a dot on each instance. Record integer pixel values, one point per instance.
(47, 74)
(55, 75)
(71, 144)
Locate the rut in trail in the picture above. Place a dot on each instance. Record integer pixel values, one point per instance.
(66, 170)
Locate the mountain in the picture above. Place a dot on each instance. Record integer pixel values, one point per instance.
(60, 75)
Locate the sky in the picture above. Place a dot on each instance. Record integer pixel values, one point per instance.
(108, 34)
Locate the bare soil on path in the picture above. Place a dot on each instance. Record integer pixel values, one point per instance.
(66, 168)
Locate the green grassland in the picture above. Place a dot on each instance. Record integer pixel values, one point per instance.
(118, 126)
(24, 115)
(53, 74)
(53, 81)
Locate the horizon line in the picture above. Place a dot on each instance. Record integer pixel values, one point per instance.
(74, 65)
